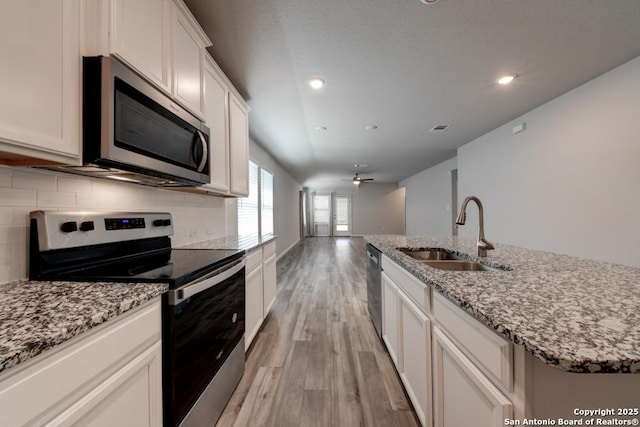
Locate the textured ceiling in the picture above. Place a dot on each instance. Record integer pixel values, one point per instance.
(404, 67)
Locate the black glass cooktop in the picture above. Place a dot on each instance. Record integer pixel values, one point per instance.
(175, 267)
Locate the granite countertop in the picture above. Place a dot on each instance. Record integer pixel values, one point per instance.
(36, 316)
(232, 242)
(576, 314)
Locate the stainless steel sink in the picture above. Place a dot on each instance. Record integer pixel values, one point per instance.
(444, 260)
(428, 254)
(460, 265)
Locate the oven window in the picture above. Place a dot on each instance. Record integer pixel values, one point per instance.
(203, 330)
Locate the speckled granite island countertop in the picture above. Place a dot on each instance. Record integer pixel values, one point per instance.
(576, 314)
(36, 316)
(232, 242)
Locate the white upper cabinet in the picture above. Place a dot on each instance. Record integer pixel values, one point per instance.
(239, 143)
(216, 118)
(40, 82)
(139, 37)
(188, 42)
(227, 116)
(158, 38)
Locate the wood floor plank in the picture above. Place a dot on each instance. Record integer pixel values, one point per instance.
(260, 403)
(317, 359)
(287, 403)
(318, 375)
(375, 403)
(345, 394)
(316, 408)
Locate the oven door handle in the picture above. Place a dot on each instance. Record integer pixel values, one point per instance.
(176, 296)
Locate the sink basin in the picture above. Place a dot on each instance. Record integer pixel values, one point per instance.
(460, 265)
(444, 260)
(428, 254)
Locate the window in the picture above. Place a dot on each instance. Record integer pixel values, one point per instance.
(255, 212)
(266, 202)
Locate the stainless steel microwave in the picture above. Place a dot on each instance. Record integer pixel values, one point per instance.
(134, 132)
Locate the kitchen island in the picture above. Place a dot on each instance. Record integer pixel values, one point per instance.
(565, 331)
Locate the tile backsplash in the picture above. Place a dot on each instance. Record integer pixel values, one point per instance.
(22, 190)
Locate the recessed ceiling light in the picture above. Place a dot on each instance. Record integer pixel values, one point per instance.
(360, 165)
(316, 83)
(321, 128)
(429, 1)
(371, 127)
(506, 79)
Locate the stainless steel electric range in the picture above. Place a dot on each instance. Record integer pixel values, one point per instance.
(203, 311)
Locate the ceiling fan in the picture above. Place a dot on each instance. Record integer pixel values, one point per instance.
(357, 180)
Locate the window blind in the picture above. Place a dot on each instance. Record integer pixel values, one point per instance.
(266, 202)
(255, 212)
(248, 223)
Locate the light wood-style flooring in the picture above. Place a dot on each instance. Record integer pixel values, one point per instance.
(317, 360)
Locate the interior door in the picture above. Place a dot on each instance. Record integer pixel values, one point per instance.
(342, 215)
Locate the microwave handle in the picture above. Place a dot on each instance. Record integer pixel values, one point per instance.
(205, 151)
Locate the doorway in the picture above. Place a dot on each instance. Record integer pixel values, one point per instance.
(342, 216)
(331, 215)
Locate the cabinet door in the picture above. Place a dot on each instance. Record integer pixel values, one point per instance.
(188, 43)
(269, 283)
(253, 305)
(40, 82)
(415, 344)
(215, 113)
(239, 146)
(140, 36)
(390, 325)
(132, 396)
(463, 396)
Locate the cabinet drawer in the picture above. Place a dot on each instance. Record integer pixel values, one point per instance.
(269, 249)
(419, 292)
(492, 353)
(254, 259)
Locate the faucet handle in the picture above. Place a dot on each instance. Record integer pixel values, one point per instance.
(485, 244)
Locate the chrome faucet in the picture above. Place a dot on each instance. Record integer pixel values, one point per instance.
(483, 244)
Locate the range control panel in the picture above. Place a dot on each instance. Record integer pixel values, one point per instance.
(124, 223)
(60, 230)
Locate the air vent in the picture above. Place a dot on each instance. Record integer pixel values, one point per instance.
(439, 128)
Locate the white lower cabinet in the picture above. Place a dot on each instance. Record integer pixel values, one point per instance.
(260, 288)
(390, 325)
(406, 330)
(111, 376)
(269, 282)
(463, 395)
(415, 356)
(254, 313)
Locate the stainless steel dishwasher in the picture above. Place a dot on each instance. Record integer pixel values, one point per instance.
(374, 286)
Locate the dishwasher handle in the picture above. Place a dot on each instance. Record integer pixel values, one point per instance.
(176, 296)
(372, 257)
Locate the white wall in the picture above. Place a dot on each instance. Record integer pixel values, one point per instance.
(569, 183)
(23, 190)
(376, 208)
(286, 216)
(429, 200)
